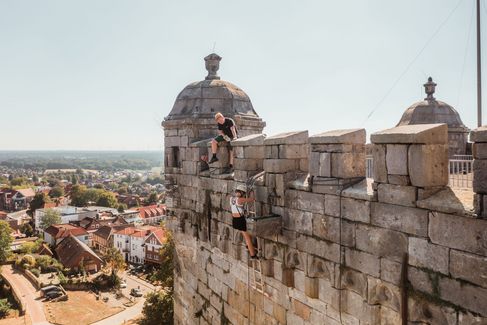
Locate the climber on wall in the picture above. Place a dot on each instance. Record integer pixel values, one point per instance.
(227, 131)
(239, 214)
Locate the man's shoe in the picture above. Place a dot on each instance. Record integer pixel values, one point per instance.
(213, 160)
(227, 170)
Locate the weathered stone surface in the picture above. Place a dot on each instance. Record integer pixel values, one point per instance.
(380, 166)
(479, 150)
(321, 248)
(399, 180)
(250, 140)
(348, 136)
(397, 194)
(248, 164)
(297, 137)
(332, 205)
(397, 159)
(299, 221)
(311, 287)
(480, 176)
(390, 271)
(465, 234)
(383, 293)
(466, 295)
(280, 165)
(293, 151)
(311, 202)
(320, 268)
(353, 304)
(271, 152)
(469, 319)
(326, 227)
(347, 165)
(324, 168)
(425, 312)
(409, 220)
(253, 152)
(355, 210)
(381, 242)
(472, 268)
(362, 190)
(362, 261)
(448, 201)
(314, 164)
(428, 165)
(354, 281)
(295, 259)
(479, 134)
(426, 255)
(328, 293)
(389, 316)
(417, 133)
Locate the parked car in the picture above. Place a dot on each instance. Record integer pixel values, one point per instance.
(53, 294)
(51, 288)
(136, 292)
(123, 285)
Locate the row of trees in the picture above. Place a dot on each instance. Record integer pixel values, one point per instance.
(82, 196)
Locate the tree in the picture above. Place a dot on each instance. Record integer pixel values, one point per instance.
(165, 273)
(158, 308)
(122, 207)
(4, 307)
(38, 201)
(114, 261)
(28, 247)
(51, 217)
(5, 240)
(153, 198)
(27, 229)
(35, 178)
(57, 191)
(74, 179)
(18, 181)
(107, 199)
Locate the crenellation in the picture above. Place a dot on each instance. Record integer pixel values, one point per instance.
(337, 255)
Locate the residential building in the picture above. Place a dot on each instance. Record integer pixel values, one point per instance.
(102, 238)
(71, 213)
(14, 200)
(56, 233)
(153, 245)
(76, 255)
(152, 214)
(130, 242)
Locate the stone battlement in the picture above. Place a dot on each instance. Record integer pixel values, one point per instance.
(350, 250)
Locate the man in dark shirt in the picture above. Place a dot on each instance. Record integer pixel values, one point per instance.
(226, 132)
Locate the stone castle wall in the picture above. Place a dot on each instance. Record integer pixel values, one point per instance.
(350, 250)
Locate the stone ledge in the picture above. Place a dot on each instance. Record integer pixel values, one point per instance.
(479, 134)
(250, 140)
(361, 191)
(418, 133)
(347, 136)
(296, 137)
(459, 202)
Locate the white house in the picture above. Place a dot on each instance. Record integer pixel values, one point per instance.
(131, 243)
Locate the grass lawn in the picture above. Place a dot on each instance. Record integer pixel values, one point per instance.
(81, 308)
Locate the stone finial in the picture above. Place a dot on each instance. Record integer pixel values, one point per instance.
(429, 89)
(212, 64)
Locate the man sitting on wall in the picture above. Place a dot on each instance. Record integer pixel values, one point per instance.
(227, 131)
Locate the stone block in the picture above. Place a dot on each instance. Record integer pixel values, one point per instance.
(381, 242)
(254, 152)
(466, 318)
(326, 227)
(425, 312)
(355, 210)
(472, 268)
(426, 255)
(353, 304)
(271, 152)
(405, 219)
(294, 151)
(397, 159)
(321, 248)
(329, 294)
(480, 176)
(297, 137)
(422, 281)
(347, 165)
(320, 268)
(332, 205)
(314, 164)
(379, 166)
(347, 136)
(470, 297)
(397, 194)
(389, 316)
(479, 134)
(301, 310)
(274, 251)
(334, 147)
(287, 277)
(384, 294)
(311, 287)
(417, 133)
(295, 259)
(280, 165)
(361, 261)
(311, 202)
(428, 165)
(399, 180)
(248, 164)
(297, 220)
(466, 234)
(390, 271)
(324, 165)
(479, 150)
(250, 140)
(190, 167)
(354, 281)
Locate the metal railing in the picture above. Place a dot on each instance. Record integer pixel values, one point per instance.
(459, 170)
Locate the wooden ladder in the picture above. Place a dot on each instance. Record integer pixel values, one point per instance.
(257, 279)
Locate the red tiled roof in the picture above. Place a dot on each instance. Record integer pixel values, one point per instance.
(160, 234)
(62, 231)
(27, 192)
(152, 211)
(69, 250)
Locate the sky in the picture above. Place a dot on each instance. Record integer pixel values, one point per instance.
(103, 74)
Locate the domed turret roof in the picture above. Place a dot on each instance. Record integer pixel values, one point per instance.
(431, 111)
(203, 99)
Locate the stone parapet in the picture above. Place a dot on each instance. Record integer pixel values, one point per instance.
(479, 150)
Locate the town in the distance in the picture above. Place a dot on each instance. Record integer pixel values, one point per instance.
(81, 231)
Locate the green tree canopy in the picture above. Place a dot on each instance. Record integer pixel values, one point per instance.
(153, 198)
(114, 261)
(19, 181)
(57, 191)
(107, 199)
(5, 240)
(158, 308)
(51, 217)
(38, 201)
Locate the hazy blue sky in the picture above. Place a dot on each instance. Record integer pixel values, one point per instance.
(95, 74)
